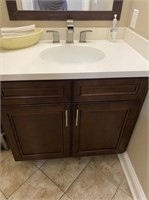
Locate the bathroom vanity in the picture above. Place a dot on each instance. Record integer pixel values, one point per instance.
(54, 110)
(49, 119)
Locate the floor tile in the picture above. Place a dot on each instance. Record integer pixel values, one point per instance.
(91, 186)
(121, 196)
(13, 174)
(65, 197)
(4, 155)
(38, 186)
(86, 159)
(124, 186)
(2, 197)
(63, 171)
(39, 163)
(109, 166)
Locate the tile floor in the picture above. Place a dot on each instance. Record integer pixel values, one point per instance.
(86, 178)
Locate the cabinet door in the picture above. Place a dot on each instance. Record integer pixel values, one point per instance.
(103, 127)
(37, 131)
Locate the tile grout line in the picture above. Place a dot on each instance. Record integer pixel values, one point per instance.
(36, 165)
(105, 176)
(70, 184)
(121, 191)
(84, 161)
(122, 179)
(3, 194)
(51, 181)
(128, 187)
(118, 188)
(114, 193)
(63, 196)
(23, 183)
(86, 164)
(99, 174)
(6, 158)
(75, 179)
(125, 193)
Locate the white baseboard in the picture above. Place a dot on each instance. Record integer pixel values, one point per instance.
(132, 179)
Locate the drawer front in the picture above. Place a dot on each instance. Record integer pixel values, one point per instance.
(109, 89)
(22, 92)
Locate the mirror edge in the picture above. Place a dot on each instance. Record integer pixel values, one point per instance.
(15, 14)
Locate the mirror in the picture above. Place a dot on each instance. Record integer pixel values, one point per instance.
(63, 9)
(65, 5)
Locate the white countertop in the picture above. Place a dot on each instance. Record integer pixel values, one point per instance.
(120, 60)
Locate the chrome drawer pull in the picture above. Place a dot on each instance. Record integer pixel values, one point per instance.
(66, 118)
(77, 117)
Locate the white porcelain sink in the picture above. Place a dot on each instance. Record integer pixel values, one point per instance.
(70, 54)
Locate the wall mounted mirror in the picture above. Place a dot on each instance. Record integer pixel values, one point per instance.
(63, 9)
(65, 5)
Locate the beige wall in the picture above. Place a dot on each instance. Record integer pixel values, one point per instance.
(138, 148)
(142, 25)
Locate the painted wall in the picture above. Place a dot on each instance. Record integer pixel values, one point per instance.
(142, 25)
(138, 148)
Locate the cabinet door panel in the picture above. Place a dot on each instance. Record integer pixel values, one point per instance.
(103, 127)
(109, 89)
(37, 132)
(34, 92)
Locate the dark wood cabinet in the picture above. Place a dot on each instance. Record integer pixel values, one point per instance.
(35, 117)
(51, 119)
(103, 127)
(38, 130)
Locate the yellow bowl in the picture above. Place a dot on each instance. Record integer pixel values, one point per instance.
(21, 41)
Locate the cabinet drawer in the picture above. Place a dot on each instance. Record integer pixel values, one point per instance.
(109, 89)
(20, 92)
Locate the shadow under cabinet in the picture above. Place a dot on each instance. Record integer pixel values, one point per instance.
(61, 118)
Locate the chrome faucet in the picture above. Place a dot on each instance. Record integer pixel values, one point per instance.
(55, 36)
(83, 35)
(70, 31)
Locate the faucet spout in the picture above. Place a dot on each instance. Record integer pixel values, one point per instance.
(70, 31)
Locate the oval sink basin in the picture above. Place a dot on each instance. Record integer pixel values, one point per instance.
(72, 54)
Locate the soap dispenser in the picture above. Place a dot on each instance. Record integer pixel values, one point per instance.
(113, 30)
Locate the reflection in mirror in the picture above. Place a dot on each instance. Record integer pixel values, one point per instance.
(22, 12)
(65, 5)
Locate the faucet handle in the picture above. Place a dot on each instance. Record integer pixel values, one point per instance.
(55, 36)
(83, 35)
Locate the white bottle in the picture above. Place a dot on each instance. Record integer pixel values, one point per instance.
(113, 30)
